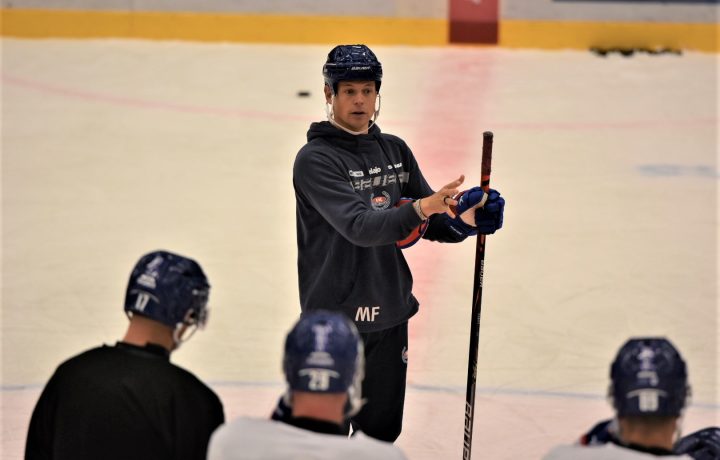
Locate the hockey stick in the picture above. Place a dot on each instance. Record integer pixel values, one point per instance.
(476, 306)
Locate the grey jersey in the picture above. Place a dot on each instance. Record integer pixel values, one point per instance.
(260, 439)
(607, 451)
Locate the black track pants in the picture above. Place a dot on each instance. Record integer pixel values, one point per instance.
(384, 383)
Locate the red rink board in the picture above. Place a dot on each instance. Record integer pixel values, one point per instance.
(474, 21)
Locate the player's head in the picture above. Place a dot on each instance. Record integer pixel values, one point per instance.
(648, 378)
(170, 289)
(352, 83)
(324, 354)
(701, 445)
(351, 63)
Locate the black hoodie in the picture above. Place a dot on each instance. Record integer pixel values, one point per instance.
(346, 189)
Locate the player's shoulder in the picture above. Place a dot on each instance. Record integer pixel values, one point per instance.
(83, 359)
(380, 449)
(567, 452)
(607, 451)
(253, 432)
(192, 383)
(245, 423)
(96, 364)
(248, 432)
(155, 360)
(247, 427)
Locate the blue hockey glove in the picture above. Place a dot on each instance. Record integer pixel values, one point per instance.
(488, 217)
(602, 433)
(283, 410)
(700, 445)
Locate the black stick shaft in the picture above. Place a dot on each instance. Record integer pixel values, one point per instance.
(476, 307)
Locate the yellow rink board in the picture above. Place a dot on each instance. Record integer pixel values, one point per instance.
(575, 34)
(214, 27)
(223, 27)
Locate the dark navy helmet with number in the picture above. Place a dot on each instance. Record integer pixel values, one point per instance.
(648, 377)
(352, 63)
(168, 288)
(700, 445)
(324, 354)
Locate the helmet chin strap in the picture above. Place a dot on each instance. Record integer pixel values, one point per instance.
(183, 331)
(678, 429)
(355, 399)
(181, 337)
(331, 116)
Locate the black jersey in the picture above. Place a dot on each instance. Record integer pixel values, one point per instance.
(346, 189)
(123, 402)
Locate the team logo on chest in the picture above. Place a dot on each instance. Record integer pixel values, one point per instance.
(380, 202)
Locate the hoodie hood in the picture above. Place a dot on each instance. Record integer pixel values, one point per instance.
(324, 129)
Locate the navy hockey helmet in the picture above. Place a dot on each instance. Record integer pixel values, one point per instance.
(322, 353)
(648, 377)
(168, 288)
(701, 445)
(351, 62)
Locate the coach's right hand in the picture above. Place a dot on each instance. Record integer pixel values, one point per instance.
(441, 200)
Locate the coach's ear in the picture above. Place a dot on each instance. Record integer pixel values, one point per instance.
(328, 94)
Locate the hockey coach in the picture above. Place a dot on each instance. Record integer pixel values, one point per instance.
(358, 193)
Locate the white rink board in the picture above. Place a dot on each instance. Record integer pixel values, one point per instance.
(111, 149)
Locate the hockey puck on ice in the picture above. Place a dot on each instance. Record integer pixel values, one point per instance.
(303, 93)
